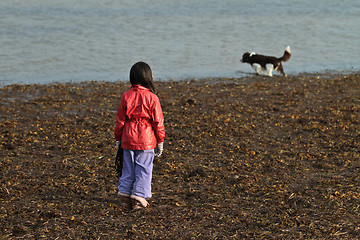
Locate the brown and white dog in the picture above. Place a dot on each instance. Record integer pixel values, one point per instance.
(264, 65)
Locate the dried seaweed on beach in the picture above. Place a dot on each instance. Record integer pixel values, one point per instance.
(253, 157)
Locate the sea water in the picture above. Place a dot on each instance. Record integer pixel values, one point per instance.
(45, 41)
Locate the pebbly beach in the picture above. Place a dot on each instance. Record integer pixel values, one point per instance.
(244, 158)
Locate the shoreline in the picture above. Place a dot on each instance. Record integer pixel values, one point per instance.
(252, 157)
(328, 73)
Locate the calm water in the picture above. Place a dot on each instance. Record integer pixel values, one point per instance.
(43, 41)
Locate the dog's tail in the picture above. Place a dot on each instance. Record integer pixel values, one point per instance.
(287, 55)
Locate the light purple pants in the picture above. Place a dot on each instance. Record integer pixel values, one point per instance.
(137, 173)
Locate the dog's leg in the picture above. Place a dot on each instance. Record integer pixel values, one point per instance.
(280, 69)
(269, 69)
(257, 67)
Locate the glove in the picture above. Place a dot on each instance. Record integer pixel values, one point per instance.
(117, 144)
(159, 149)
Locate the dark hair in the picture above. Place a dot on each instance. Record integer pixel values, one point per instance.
(141, 74)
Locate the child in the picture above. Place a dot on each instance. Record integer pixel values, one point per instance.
(140, 131)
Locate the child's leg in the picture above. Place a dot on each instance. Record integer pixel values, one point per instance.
(125, 199)
(127, 178)
(143, 173)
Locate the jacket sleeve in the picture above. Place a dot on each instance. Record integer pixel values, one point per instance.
(120, 120)
(158, 122)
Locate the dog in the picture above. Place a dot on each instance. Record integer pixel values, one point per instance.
(264, 65)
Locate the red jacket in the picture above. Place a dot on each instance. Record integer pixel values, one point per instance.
(139, 120)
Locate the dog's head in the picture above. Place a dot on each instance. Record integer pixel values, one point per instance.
(246, 57)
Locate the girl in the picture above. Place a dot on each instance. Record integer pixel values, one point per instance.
(140, 130)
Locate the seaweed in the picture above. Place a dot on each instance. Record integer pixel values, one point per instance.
(253, 157)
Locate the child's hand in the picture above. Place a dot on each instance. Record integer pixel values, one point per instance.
(117, 144)
(159, 149)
